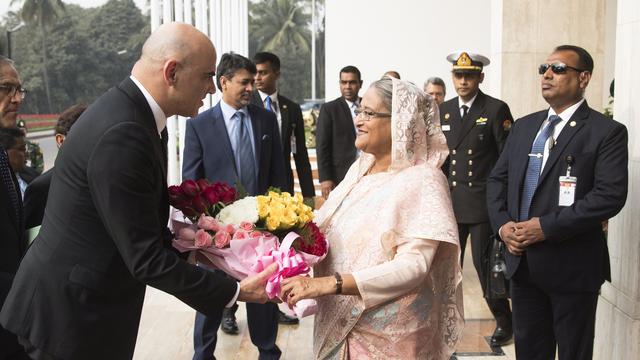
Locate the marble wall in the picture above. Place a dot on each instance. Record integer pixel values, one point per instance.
(532, 29)
(618, 316)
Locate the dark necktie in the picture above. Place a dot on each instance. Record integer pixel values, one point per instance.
(534, 166)
(9, 184)
(465, 109)
(244, 154)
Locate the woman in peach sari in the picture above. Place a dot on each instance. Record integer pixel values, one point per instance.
(390, 287)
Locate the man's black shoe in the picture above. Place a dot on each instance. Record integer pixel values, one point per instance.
(501, 336)
(229, 324)
(285, 319)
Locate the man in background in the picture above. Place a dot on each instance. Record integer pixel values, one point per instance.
(238, 143)
(435, 87)
(476, 127)
(12, 241)
(336, 131)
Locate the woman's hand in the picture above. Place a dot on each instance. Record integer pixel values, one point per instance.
(304, 287)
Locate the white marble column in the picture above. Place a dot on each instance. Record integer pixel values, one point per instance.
(528, 31)
(618, 316)
(226, 23)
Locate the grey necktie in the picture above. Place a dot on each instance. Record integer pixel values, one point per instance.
(245, 159)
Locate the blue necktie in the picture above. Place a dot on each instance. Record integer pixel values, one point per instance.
(268, 104)
(244, 155)
(534, 166)
(7, 180)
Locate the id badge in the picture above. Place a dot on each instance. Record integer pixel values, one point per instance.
(567, 190)
(446, 127)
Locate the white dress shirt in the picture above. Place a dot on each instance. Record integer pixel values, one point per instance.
(564, 116)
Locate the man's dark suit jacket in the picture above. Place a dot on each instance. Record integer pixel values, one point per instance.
(208, 153)
(292, 125)
(475, 143)
(35, 199)
(574, 257)
(12, 247)
(335, 140)
(79, 291)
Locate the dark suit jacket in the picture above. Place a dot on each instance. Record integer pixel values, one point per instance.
(335, 140)
(475, 143)
(208, 153)
(35, 199)
(79, 291)
(574, 257)
(12, 248)
(292, 126)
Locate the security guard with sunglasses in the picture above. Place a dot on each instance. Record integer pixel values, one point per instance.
(564, 171)
(476, 127)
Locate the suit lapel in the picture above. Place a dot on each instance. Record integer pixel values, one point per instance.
(284, 118)
(564, 138)
(220, 131)
(256, 124)
(148, 121)
(477, 108)
(347, 113)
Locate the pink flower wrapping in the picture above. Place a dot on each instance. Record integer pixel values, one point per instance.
(248, 253)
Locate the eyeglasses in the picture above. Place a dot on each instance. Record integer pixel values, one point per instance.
(557, 68)
(12, 90)
(367, 115)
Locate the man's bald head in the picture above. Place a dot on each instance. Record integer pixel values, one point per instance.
(176, 41)
(176, 66)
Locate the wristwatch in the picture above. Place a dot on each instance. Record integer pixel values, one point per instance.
(338, 283)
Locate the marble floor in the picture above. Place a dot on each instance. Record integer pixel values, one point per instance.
(166, 330)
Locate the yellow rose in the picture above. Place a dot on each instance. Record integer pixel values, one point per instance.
(272, 223)
(263, 210)
(263, 200)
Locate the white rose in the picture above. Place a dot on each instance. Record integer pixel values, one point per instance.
(242, 210)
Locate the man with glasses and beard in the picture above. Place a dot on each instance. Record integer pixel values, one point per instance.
(562, 173)
(476, 126)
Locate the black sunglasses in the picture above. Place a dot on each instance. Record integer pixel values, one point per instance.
(557, 68)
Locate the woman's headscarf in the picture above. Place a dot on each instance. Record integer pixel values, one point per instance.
(417, 140)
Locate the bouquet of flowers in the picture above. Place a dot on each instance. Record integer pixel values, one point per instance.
(245, 236)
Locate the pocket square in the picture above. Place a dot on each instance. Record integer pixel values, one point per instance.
(265, 137)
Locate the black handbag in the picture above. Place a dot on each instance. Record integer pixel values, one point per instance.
(496, 269)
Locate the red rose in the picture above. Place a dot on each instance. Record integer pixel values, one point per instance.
(226, 193)
(198, 204)
(190, 188)
(202, 184)
(210, 195)
(176, 194)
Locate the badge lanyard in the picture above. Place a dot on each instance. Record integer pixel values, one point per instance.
(568, 184)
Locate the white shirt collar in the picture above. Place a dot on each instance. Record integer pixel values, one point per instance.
(350, 103)
(568, 112)
(158, 114)
(263, 96)
(228, 111)
(468, 103)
